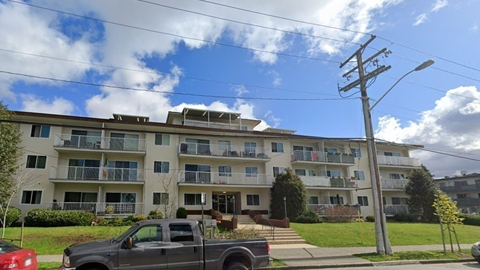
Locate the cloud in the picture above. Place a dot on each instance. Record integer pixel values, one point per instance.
(277, 79)
(240, 90)
(451, 126)
(439, 4)
(58, 105)
(420, 19)
(272, 119)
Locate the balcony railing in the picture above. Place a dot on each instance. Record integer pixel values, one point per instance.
(322, 209)
(98, 142)
(225, 178)
(325, 181)
(98, 208)
(394, 183)
(468, 201)
(195, 123)
(76, 173)
(222, 150)
(398, 161)
(324, 157)
(460, 188)
(391, 210)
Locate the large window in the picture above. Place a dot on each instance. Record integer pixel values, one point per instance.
(225, 171)
(122, 170)
(333, 173)
(396, 176)
(331, 150)
(40, 131)
(250, 148)
(251, 171)
(336, 200)
(277, 171)
(399, 201)
(31, 197)
(253, 199)
(224, 146)
(277, 147)
(160, 198)
(83, 169)
(193, 199)
(391, 154)
(359, 175)
(161, 167)
(362, 200)
(36, 162)
(162, 139)
(124, 141)
(356, 152)
(313, 200)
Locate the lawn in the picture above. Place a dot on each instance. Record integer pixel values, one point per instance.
(416, 255)
(400, 234)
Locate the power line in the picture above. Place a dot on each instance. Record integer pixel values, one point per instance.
(166, 92)
(174, 35)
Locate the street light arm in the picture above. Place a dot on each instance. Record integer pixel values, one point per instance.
(375, 104)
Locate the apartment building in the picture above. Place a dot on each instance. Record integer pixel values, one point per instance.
(464, 189)
(135, 165)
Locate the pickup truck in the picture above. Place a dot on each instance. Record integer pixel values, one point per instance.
(166, 244)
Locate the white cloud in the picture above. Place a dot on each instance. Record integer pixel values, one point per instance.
(57, 106)
(420, 19)
(452, 126)
(272, 119)
(277, 79)
(439, 4)
(240, 90)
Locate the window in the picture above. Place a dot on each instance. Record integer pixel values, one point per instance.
(277, 147)
(161, 167)
(399, 201)
(160, 198)
(359, 175)
(391, 154)
(253, 199)
(31, 197)
(362, 200)
(356, 152)
(147, 236)
(244, 128)
(250, 148)
(36, 162)
(224, 146)
(460, 183)
(162, 139)
(277, 171)
(251, 171)
(313, 200)
(225, 171)
(336, 200)
(193, 199)
(122, 141)
(40, 131)
(462, 196)
(122, 170)
(331, 150)
(396, 176)
(180, 233)
(301, 172)
(333, 173)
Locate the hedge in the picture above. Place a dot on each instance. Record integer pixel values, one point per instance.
(13, 215)
(55, 218)
(471, 219)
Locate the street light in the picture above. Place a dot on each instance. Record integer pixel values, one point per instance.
(382, 241)
(285, 205)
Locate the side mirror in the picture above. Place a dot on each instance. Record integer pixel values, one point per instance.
(128, 243)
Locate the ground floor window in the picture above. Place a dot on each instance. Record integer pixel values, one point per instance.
(313, 200)
(193, 199)
(399, 201)
(160, 198)
(363, 200)
(253, 199)
(31, 197)
(336, 200)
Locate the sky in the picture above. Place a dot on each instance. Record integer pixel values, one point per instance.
(273, 60)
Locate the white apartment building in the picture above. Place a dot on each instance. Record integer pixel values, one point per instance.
(136, 165)
(464, 189)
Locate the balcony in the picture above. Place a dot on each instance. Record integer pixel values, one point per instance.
(396, 162)
(69, 142)
(73, 174)
(195, 123)
(459, 188)
(98, 208)
(322, 209)
(317, 157)
(223, 178)
(468, 202)
(325, 181)
(215, 151)
(394, 183)
(392, 210)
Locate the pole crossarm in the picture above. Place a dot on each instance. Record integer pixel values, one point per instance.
(368, 76)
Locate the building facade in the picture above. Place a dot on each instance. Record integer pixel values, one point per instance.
(464, 189)
(129, 165)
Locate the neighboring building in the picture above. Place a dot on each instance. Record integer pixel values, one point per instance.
(136, 166)
(464, 189)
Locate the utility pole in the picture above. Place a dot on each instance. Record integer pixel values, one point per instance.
(381, 235)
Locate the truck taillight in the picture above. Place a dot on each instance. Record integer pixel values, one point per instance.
(10, 264)
(268, 248)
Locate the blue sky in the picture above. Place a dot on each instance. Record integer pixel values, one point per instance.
(173, 55)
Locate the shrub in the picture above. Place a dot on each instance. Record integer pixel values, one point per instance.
(309, 217)
(471, 219)
(340, 214)
(182, 212)
(52, 218)
(404, 217)
(370, 218)
(290, 187)
(155, 214)
(13, 215)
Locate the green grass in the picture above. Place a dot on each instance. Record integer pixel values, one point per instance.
(48, 265)
(400, 234)
(277, 263)
(415, 255)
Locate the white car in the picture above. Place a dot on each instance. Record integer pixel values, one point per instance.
(476, 251)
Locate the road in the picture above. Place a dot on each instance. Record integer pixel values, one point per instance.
(445, 266)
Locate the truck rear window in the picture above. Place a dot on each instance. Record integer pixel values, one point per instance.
(181, 233)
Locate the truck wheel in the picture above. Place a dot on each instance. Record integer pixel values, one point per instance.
(237, 266)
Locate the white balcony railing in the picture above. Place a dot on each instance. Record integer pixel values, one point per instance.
(98, 208)
(325, 181)
(195, 123)
(394, 183)
(96, 173)
(98, 142)
(224, 178)
(222, 150)
(398, 161)
(318, 156)
(391, 209)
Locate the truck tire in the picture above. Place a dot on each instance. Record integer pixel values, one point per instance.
(237, 266)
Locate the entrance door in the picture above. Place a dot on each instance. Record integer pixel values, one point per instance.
(222, 203)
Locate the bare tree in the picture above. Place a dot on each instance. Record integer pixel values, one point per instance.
(169, 205)
(21, 179)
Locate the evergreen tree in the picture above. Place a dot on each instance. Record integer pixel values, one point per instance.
(290, 186)
(421, 191)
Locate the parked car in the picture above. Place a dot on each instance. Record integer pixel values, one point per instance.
(167, 243)
(476, 251)
(16, 258)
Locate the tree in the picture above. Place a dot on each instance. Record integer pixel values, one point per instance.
(421, 191)
(449, 215)
(289, 186)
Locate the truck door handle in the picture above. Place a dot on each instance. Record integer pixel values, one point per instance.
(164, 251)
(194, 249)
